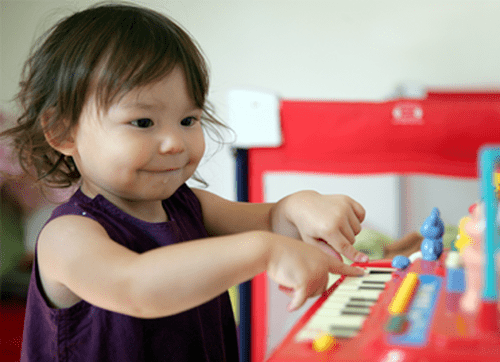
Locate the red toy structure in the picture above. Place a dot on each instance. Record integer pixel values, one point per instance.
(437, 135)
(431, 323)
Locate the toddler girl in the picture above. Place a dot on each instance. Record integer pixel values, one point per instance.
(136, 265)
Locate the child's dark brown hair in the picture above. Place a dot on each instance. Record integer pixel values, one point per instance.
(107, 50)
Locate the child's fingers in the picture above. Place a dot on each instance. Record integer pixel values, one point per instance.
(287, 290)
(337, 267)
(327, 248)
(359, 210)
(298, 299)
(354, 222)
(349, 227)
(290, 291)
(344, 247)
(347, 232)
(357, 256)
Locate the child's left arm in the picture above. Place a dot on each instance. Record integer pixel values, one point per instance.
(328, 221)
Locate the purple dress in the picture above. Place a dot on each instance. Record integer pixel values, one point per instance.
(85, 332)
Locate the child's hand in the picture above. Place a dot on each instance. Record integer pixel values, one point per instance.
(327, 221)
(302, 270)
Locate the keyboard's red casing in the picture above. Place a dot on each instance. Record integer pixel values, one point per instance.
(452, 336)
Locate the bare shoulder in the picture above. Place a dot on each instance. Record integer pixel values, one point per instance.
(63, 237)
(207, 197)
(73, 253)
(215, 210)
(56, 243)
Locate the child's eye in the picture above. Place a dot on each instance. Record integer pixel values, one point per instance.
(188, 121)
(142, 123)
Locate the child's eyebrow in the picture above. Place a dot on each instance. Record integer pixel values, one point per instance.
(151, 105)
(140, 105)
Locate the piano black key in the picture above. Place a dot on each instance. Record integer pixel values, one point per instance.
(343, 332)
(382, 271)
(356, 311)
(357, 299)
(370, 287)
(343, 312)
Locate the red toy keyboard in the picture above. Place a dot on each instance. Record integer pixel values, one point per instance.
(356, 312)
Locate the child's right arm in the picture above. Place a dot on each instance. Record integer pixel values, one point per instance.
(78, 260)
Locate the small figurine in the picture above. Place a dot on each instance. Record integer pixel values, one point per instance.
(400, 262)
(432, 230)
(463, 239)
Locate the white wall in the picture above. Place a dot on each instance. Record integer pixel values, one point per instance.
(308, 49)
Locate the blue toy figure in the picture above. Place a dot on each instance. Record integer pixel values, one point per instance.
(400, 262)
(432, 230)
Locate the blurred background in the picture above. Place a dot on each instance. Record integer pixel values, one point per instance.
(297, 49)
(300, 49)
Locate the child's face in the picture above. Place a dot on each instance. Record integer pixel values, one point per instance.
(147, 145)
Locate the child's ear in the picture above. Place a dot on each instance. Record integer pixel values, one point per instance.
(53, 134)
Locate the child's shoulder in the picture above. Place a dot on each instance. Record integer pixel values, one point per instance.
(76, 205)
(184, 195)
(183, 201)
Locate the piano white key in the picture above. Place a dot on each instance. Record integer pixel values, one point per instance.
(343, 312)
(332, 279)
(355, 287)
(379, 277)
(344, 301)
(339, 325)
(323, 323)
(368, 280)
(340, 304)
(352, 297)
(338, 332)
(369, 294)
(345, 308)
(308, 334)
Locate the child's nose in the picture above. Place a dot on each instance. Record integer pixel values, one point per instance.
(172, 143)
